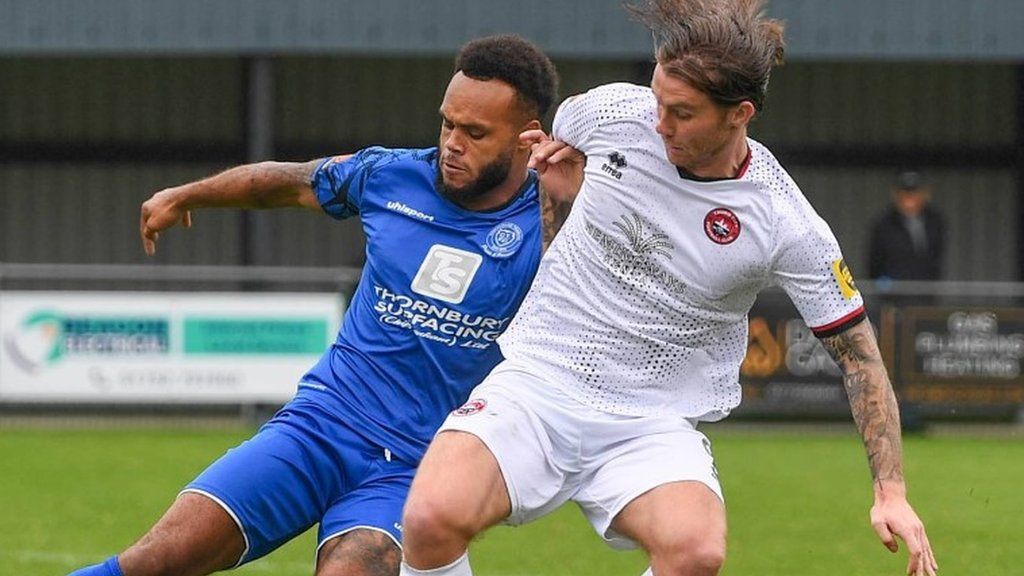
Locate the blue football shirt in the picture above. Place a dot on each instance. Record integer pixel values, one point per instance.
(439, 285)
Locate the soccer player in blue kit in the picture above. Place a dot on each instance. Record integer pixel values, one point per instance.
(453, 239)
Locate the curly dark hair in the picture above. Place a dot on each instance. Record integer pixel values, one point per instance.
(518, 63)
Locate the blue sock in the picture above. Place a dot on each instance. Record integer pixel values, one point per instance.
(108, 568)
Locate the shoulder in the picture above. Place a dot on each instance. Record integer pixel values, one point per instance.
(610, 111)
(611, 101)
(771, 179)
(377, 158)
(791, 211)
(933, 214)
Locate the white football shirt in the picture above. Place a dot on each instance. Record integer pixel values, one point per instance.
(640, 304)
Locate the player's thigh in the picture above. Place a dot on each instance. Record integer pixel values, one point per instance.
(368, 514)
(658, 481)
(359, 552)
(498, 457)
(195, 536)
(677, 518)
(275, 485)
(458, 484)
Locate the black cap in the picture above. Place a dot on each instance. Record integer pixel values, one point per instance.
(909, 180)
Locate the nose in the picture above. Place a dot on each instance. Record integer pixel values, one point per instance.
(663, 127)
(453, 143)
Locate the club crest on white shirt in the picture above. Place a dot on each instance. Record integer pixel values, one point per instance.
(722, 226)
(470, 407)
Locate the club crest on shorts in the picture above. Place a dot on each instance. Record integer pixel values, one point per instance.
(470, 407)
(503, 240)
(722, 226)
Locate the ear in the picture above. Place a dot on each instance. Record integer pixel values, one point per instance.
(531, 125)
(742, 114)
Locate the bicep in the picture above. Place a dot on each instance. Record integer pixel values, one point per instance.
(306, 195)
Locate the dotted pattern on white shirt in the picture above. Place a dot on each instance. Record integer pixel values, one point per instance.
(635, 310)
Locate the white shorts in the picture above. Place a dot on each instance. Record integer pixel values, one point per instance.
(552, 449)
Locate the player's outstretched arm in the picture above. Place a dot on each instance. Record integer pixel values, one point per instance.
(261, 185)
(874, 408)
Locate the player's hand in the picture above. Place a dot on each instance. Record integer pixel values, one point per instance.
(892, 516)
(159, 213)
(559, 165)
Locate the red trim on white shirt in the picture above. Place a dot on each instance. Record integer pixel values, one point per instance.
(831, 326)
(745, 165)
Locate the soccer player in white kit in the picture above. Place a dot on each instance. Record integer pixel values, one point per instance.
(636, 324)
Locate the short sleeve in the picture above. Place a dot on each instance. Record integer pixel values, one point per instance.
(809, 266)
(339, 182)
(579, 118)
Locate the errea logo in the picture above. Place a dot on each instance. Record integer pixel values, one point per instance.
(446, 273)
(615, 164)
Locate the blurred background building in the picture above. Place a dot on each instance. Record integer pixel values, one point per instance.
(103, 102)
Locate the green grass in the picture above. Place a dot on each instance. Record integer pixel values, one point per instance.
(797, 503)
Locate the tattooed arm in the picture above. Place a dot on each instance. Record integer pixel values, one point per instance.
(560, 167)
(553, 213)
(872, 400)
(876, 414)
(262, 185)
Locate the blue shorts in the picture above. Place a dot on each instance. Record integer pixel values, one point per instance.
(306, 466)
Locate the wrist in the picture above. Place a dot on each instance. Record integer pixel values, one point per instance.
(177, 197)
(890, 489)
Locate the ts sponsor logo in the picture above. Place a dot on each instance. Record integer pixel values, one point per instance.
(446, 273)
(471, 407)
(844, 278)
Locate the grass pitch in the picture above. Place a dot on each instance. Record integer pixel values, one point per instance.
(797, 501)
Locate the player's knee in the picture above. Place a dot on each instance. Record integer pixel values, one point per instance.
(359, 553)
(707, 558)
(425, 522)
(691, 555)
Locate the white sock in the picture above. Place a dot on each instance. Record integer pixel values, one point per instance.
(458, 568)
(648, 572)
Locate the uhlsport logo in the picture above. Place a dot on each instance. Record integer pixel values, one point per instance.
(722, 226)
(409, 211)
(446, 273)
(45, 337)
(615, 165)
(471, 407)
(503, 240)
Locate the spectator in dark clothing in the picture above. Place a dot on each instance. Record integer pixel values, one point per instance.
(908, 243)
(908, 240)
